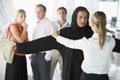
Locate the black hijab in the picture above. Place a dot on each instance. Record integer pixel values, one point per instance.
(74, 31)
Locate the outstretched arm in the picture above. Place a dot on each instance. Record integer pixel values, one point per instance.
(74, 44)
(35, 46)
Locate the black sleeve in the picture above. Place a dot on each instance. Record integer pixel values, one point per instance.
(117, 46)
(35, 46)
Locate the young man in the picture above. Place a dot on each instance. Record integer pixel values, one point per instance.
(44, 27)
(60, 24)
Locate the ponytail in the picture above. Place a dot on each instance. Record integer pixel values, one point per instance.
(99, 18)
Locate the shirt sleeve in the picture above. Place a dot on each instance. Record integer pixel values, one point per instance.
(37, 45)
(75, 44)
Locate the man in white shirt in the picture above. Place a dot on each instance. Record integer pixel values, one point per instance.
(60, 24)
(44, 27)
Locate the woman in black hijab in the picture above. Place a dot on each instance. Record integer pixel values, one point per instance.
(72, 58)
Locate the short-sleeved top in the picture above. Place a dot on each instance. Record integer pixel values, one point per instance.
(20, 29)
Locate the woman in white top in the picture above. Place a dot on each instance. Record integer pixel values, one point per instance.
(97, 49)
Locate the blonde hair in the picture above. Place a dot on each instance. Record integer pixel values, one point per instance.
(41, 5)
(20, 11)
(99, 19)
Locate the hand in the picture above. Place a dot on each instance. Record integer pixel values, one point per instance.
(25, 26)
(47, 58)
(55, 34)
(13, 39)
(14, 47)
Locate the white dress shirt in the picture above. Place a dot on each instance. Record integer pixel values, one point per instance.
(96, 60)
(57, 25)
(44, 28)
(66, 24)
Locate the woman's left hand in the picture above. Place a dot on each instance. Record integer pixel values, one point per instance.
(55, 34)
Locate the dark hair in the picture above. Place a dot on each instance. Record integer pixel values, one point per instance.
(63, 8)
(74, 16)
(41, 5)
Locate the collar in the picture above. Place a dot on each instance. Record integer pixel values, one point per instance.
(42, 20)
(64, 25)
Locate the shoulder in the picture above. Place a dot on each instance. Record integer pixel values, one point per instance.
(66, 30)
(49, 22)
(13, 25)
(88, 29)
(68, 24)
(111, 40)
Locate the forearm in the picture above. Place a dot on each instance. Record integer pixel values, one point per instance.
(23, 35)
(35, 46)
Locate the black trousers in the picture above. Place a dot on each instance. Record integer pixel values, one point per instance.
(40, 67)
(17, 70)
(85, 76)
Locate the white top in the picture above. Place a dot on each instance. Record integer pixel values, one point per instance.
(44, 28)
(66, 24)
(57, 25)
(96, 60)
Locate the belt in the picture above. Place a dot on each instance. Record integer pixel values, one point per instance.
(18, 54)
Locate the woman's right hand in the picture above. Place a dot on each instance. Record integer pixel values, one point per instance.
(55, 34)
(25, 26)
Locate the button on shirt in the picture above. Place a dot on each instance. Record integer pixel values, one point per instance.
(96, 60)
(44, 28)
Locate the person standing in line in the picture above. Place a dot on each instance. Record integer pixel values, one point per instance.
(78, 29)
(17, 32)
(44, 27)
(97, 49)
(60, 24)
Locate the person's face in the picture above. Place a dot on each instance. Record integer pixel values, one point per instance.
(21, 17)
(82, 18)
(61, 14)
(40, 12)
(94, 27)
